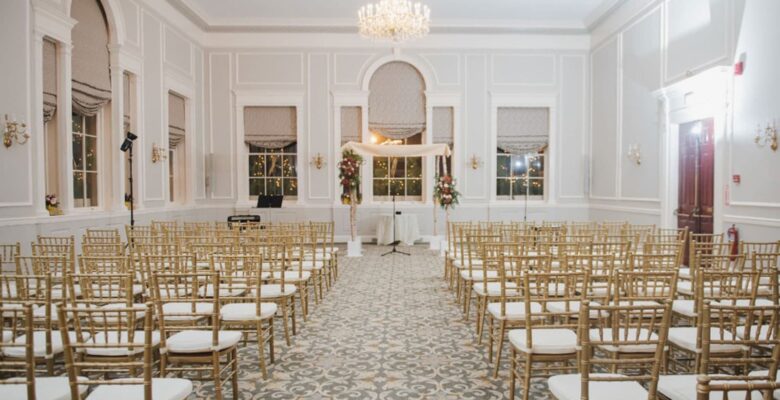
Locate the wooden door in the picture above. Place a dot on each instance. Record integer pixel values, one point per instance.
(696, 180)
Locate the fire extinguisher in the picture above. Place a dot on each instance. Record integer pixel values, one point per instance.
(733, 234)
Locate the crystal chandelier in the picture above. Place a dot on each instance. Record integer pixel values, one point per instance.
(398, 20)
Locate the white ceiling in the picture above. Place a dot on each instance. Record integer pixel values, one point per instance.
(446, 15)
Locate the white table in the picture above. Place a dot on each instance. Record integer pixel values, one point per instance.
(407, 230)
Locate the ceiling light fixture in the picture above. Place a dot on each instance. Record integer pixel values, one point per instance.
(397, 20)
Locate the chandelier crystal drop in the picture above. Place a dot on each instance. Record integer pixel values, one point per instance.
(397, 20)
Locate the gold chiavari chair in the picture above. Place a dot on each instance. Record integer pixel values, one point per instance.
(612, 228)
(474, 271)
(296, 273)
(303, 249)
(488, 290)
(618, 327)
(678, 233)
(543, 338)
(277, 289)
(510, 310)
(653, 262)
(751, 329)
(167, 264)
(749, 248)
(190, 329)
(161, 226)
(709, 260)
(766, 264)
(717, 287)
(103, 249)
(8, 254)
(56, 266)
(248, 312)
(641, 232)
(102, 236)
(19, 340)
(120, 350)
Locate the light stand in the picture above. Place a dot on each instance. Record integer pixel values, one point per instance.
(395, 242)
(127, 145)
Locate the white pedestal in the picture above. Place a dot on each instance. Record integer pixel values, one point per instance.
(435, 242)
(442, 247)
(355, 247)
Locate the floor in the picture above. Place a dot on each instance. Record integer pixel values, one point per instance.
(389, 329)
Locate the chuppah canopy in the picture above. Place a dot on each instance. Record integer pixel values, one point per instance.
(407, 150)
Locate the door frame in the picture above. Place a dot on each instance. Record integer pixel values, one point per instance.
(702, 96)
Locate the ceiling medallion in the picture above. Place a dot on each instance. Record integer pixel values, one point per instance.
(397, 20)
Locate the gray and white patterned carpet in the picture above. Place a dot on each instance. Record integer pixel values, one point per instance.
(388, 329)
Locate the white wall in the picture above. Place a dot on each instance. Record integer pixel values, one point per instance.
(647, 58)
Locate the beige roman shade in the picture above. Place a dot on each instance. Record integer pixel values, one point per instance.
(351, 121)
(91, 74)
(49, 80)
(443, 125)
(396, 102)
(523, 129)
(270, 127)
(176, 121)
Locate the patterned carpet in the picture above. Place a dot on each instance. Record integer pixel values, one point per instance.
(389, 329)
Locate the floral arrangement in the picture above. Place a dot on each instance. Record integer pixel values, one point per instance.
(53, 204)
(444, 192)
(349, 178)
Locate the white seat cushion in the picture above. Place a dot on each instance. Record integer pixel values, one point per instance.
(684, 273)
(568, 387)
(494, 288)
(478, 275)
(685, 287)
(46, 388)
(200, 341)
(683, 387)
(465, 264)
(545, 341)
(744, 302)
(514, 311)
(186, 308)
(162, 389)
(310, 265)
(685, 337)
(39, 344)
(684, 307)
(7, 336)
(113, 337)
(574, 306)
(224, 291)
(632, 334)
(292, 276)
(247, 311)
(273, 291)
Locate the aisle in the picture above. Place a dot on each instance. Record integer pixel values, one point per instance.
(388, 330)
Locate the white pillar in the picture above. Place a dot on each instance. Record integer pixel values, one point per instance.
(38, 134)
(65, 124)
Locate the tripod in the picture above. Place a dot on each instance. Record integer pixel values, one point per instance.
(395, 242)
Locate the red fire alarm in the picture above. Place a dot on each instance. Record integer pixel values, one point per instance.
(739, 68)
(736, 178)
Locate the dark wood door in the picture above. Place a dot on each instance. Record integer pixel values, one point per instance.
(696, 180)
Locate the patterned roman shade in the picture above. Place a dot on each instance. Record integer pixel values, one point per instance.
(176, 122)
(91, 74)
(523, 129)
(49, 80)
(351, 121)
(270, 127)
(443, 125)
(396, 102)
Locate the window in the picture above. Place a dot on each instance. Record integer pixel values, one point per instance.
(171, 176)
(398, 176)
(519, 174)
(85, 161)
(273, 171)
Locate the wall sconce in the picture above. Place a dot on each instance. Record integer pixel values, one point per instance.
(475, 162)
(158, 153)
(14, 131)
(634, 153)
(318, 161)
(766, 136)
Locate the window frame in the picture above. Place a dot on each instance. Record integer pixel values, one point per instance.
(98, 161)
(266, 178)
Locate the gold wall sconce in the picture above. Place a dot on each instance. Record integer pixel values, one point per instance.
(766, 136)
(634, 154)
(14, 132)
(475, 162)
(158, 153)
(318, 161)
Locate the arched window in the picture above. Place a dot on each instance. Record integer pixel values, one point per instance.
(396, 116)
(91, 94)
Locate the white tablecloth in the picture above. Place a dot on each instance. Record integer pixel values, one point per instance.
(407, 230)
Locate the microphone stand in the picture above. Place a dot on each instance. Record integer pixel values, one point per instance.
(395, 242)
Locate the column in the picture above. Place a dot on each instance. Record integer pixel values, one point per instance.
(65, 124)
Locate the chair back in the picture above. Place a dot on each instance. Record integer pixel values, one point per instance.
(18, 321)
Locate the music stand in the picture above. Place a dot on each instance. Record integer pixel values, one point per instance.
(395, 242)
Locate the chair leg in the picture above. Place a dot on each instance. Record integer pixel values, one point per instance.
(499, 350)
(261, 349)
(292, 316)
(513, 375)
(216, 375)
(491, 335)
(526, 376)
(234, 371)
(283, 304)
(271, 341)
(481, 326)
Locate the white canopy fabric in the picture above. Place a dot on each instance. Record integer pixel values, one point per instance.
(407, 150)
